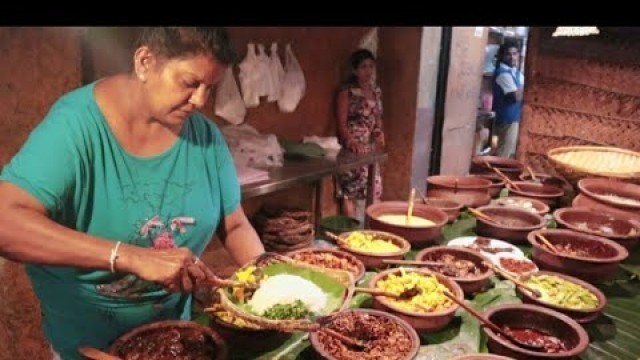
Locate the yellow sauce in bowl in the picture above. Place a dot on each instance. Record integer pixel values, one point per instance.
(414, 221)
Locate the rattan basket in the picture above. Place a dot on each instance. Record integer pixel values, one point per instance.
(344, 277)
(577, 162)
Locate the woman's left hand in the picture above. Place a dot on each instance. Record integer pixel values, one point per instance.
(379, 140)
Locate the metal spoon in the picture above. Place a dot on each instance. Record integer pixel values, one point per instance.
(537, 346)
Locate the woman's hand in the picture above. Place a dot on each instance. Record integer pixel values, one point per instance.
(356, 147)
(379, 140)
(174, 269)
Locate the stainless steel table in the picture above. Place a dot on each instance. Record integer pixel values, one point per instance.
(312, 171)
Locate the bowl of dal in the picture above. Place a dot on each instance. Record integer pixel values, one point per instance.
(422, 229)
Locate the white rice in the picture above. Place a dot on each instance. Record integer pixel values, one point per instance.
(286, 289)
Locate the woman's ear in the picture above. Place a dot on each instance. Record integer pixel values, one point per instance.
(143, 59)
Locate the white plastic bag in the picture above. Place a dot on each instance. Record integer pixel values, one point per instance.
(277, 74)
(249, 77)
(250, 148)
(264, 84)
(229, 104)
(293, 83)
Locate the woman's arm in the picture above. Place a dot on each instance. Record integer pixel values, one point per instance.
(27, 235)
(342, 112)
(240, 238)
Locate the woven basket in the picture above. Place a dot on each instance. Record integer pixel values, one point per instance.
(344, 277)
(577, 162)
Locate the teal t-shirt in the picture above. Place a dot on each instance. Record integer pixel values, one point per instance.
(73, 164)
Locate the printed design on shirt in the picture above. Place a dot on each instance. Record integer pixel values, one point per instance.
(159, 231)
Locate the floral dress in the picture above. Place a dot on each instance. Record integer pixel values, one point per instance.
(362, 123)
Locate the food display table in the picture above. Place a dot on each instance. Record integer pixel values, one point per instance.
(312, 171)
(614, 335)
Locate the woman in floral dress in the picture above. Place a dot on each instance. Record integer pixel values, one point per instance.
(359, 111)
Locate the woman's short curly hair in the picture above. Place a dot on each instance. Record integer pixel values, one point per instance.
(175, 42)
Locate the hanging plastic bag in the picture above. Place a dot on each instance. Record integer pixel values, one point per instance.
(277, 74)
(293, 83)
(264, 82)
(249, 77)
(229, 104)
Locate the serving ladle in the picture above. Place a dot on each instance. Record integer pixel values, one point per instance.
(404, 295)
(533, 345)
(96, 354)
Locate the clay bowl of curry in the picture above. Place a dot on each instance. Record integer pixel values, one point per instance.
(372, 247)
(450, 207)
(170, 339)
(497, 183)
(571, 296)
(512, 168)
(611, 226)
(430, 309)
(561, 337)
(330, 259)
(466, 267)
(422, 229)
(588, 257)
(508, 223)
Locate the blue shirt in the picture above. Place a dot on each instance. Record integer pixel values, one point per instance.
(74, 165)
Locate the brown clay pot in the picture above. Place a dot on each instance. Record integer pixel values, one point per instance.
(338, 253)
(321, 349)
(375, 261)
(418, 236)
(540, 207)
(590, 269)
(466, 190)
(577, 218)
(581, 316)
(590, 188)
(168, 325)
(450, 207)
(540, 318)
(421, 321)
(510, 233)
(512, 168)
(469, 284)
(546, 193)
(497, 183)
(480, 357)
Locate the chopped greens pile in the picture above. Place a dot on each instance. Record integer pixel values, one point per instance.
(292, 311)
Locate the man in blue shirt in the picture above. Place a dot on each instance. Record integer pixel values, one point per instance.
(508, 88)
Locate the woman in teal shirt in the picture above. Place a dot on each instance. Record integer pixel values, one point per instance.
(119, 189)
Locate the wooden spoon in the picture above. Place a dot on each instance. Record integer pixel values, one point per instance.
(530, 345)
(96, 354)
(336, 238)
(502, 175)
(480, 214)
(519, 283)
(548, 244)
(413, 262)
(406, 294)
(412, 198)
(424, 198)
(533, 176)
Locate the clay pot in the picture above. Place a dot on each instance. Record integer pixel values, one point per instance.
(540, 318)
(515, 234)
(168, 325)
(450, 207)
(581, 316)
(581, 219)
(321, 349)
(590, 189)
(467, 190)
(418, 236)
(338, 253)
(546, 193)
(421, 321)
(540, 207)
(375, 260)
(497, 183)
(469, 284)
(590, 269)
(512, 168)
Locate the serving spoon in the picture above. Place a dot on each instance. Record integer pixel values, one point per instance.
(404, 295)
(534, 345)
(96, 354)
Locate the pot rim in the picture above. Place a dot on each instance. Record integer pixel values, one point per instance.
(622, 253)
(541, 221)
(557, 215)
(485, 275)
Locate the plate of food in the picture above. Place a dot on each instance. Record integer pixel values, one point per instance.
(515, 265)
(490, 248)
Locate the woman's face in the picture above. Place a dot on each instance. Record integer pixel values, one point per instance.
(366, 70)
(176, 87)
